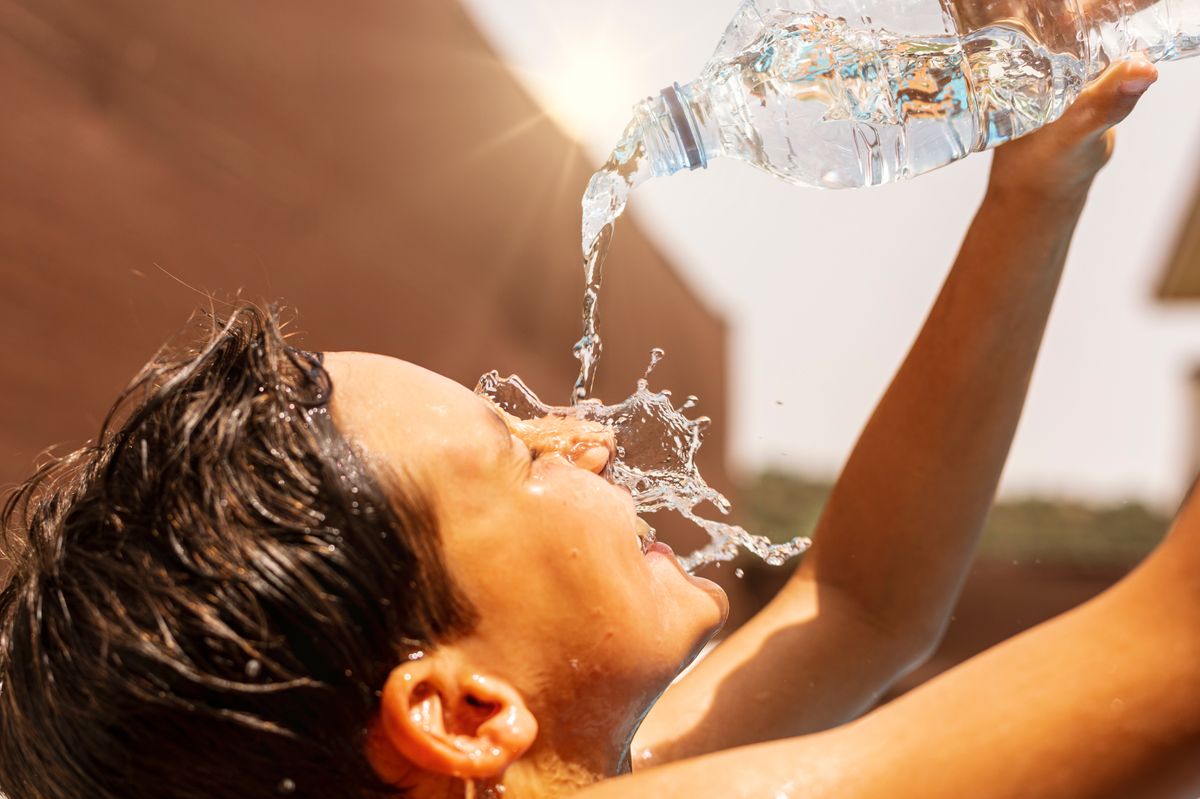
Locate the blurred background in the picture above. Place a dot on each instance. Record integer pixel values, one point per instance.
(406, 177)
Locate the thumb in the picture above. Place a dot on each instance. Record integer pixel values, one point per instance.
(1112, 96)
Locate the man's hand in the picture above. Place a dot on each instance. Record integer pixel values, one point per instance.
(1060, 160)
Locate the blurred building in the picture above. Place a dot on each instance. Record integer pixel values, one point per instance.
(1181, 283)
(372, 165)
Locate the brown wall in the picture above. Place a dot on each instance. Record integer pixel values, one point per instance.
(371, 164)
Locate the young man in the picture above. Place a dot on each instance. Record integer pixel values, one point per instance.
(279, 573)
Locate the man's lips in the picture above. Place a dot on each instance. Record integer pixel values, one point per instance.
(659, 548)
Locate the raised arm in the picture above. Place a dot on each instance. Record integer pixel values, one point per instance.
(893, 545)
(1102, 702)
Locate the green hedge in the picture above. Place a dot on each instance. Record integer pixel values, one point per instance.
(782, 505)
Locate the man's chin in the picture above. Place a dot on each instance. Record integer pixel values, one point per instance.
(715, 613)
(719, 598)
(698, 651)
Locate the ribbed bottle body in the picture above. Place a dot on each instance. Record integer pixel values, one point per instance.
(844, 93)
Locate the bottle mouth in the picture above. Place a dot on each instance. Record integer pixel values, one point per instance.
(667, 128)
(685, 126)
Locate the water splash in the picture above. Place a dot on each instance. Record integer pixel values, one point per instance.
(656, 446)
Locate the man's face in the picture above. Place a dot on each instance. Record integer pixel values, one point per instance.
(571, 611)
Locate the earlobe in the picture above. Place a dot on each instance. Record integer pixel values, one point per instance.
(451, 721)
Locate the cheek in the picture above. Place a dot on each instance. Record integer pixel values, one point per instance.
(554, 551)
(580, 513)
(588, 554)
(613, 588)
(555, 564)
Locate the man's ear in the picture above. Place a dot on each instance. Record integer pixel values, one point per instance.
(446, 719)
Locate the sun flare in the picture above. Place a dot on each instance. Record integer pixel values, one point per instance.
(586, 84)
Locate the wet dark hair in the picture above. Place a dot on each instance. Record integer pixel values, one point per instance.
(209, 597)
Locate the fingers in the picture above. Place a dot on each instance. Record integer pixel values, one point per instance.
(1113, 96)
(1066, 155)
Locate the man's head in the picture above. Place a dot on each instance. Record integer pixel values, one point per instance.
(278, 574)
(573, 617)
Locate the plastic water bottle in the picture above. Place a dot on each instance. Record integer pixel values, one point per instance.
(848, 93)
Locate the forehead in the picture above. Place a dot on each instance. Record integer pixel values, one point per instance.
(416, 420)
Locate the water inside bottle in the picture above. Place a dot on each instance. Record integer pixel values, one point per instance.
(819, 102)
(656, 446)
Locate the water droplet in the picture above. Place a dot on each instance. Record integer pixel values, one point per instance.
(656, 355)
(785, 790)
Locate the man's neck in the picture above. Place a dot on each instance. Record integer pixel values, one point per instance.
(545, 772)
(544, 778)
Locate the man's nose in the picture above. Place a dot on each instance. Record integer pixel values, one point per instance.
(588, 445)
(593, 456)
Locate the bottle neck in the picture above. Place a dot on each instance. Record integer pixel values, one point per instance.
(671, 132)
